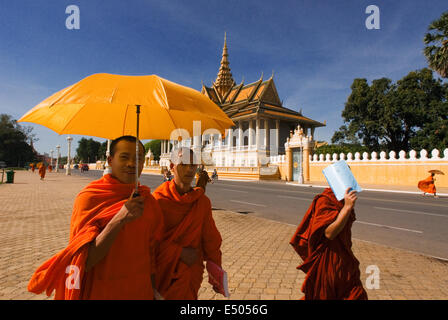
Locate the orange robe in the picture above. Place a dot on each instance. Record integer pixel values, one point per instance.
(188, 223)
(32, 168)
(427, 185)
(332, 271)
(125, 271)
(50, 168)
(42, 170)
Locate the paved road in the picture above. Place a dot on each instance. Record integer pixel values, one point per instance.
(406, 221)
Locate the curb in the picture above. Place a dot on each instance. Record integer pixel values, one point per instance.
(366, 189)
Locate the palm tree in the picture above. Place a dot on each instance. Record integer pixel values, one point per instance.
(436, 50)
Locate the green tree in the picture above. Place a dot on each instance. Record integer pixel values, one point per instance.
(15, 148)
(88, 150)
(436, 50)
(390, 116)
(434, 133)
(155, 147)
(361, 115)
(414, 103)
(102, 151)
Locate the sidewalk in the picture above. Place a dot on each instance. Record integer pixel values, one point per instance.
(34, 225)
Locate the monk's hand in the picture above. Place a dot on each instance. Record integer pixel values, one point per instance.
(189, 255)
(133, 208)
(203, 179)
(350, 198)
(157, 295)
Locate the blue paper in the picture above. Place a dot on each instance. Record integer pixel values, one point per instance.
(340, 177)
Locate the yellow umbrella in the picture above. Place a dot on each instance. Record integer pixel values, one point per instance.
(105, 105)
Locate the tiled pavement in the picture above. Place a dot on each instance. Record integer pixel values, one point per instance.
(34, 224)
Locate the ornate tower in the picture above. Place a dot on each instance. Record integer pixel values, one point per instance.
(224, 81)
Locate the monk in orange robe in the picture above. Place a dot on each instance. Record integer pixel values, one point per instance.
(50, 168)
(427, 185)
(190, 235)
(42, 171)
(323, 241)
(32, 167)
(113, 236)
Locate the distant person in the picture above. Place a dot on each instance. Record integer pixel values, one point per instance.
(33, 167)
(214, 175)
(202, 177)
(427, 185)
(190, 234)
(323, 241)
(42, 171)
(113, 237)
(50, 168)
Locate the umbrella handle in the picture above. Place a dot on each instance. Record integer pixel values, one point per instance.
(137, 153)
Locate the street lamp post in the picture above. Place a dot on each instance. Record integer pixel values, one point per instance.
(108, 168)
(68, 169)
(57, 157)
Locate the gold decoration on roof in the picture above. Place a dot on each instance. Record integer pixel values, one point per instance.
(224, 81)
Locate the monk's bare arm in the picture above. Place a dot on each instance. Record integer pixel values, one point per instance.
(211, 239)
(336, 227)
(98, 249)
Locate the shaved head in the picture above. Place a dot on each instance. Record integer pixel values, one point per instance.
(183, 155)
(184, 165)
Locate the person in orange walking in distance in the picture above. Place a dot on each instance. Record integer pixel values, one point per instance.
(323, 241)
(427, 185)
(190, 234)
(33, 167)
(42, 171)
(113, 236)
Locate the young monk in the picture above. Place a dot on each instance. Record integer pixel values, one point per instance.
(190, 235)
(323, 241)
(42, 171)
(113, 236)
(427, 185)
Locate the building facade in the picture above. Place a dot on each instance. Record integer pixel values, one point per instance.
(263, 124)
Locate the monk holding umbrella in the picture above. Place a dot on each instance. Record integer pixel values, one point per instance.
(116, 222)
(427, 185)
(42, 171)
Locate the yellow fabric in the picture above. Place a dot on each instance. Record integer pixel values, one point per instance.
(104, 105)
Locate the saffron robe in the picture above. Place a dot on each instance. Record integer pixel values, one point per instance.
(42, 171)
(125, 271)
(332, 270)
(427, 185)
(188, 223)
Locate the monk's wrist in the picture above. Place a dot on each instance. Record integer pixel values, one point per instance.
(122, 216)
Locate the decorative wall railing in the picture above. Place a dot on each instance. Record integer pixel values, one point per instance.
(383, 156)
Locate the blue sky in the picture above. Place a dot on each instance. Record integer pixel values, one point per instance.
(314, 48)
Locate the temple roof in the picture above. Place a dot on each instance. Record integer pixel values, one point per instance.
(246, 101)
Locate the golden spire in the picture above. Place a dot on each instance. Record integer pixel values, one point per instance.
(224, 81)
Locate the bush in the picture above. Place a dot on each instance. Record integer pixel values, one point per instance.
(336, 148)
